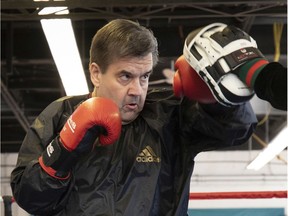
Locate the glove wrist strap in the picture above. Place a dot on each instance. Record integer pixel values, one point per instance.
(57, 161)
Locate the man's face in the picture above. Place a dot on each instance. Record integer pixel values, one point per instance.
(126, 83)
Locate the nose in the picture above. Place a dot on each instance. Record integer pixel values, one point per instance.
(135, 88)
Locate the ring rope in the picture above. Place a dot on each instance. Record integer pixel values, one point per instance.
(238, 195)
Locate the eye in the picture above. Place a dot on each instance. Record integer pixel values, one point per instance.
(146, 76)
(125, 77)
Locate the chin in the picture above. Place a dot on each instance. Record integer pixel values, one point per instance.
(128, 119)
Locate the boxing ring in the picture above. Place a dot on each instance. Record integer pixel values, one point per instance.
(8, 201)
(238, 203)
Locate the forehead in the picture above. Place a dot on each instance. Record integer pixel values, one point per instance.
(132, 64)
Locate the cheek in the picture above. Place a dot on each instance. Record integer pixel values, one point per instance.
(109, 87)
(118, 95)
(145, 89)
(143, 96)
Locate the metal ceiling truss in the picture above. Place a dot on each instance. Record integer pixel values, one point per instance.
(17, 111)
(149, 11)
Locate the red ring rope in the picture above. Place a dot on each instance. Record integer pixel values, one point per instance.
(233, 195)
(239, 195)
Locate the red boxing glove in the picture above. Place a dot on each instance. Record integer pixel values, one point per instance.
(95, 117)
(188, 83)
(98, 114)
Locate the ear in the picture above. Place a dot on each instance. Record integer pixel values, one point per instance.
(95, 73)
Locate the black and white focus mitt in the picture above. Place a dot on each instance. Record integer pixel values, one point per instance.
(215, 52)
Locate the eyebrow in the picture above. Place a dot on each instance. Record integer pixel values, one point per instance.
(128, 72)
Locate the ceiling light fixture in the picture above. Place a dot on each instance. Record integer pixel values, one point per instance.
(60, 37)
(275, 147)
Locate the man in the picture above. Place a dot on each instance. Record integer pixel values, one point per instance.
(145, 169)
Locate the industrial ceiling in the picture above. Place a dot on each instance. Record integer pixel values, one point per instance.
(29, 78)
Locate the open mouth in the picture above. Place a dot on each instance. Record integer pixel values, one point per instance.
(131, 106)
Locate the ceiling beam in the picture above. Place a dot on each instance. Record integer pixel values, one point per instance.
(151, 9)
(23, 4)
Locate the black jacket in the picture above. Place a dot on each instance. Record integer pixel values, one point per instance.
(146, 172)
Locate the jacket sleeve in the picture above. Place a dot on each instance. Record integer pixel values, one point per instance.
(33, 189)
(271, 85)
(213, 126)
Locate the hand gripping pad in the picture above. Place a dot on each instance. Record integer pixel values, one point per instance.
(217, 50)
